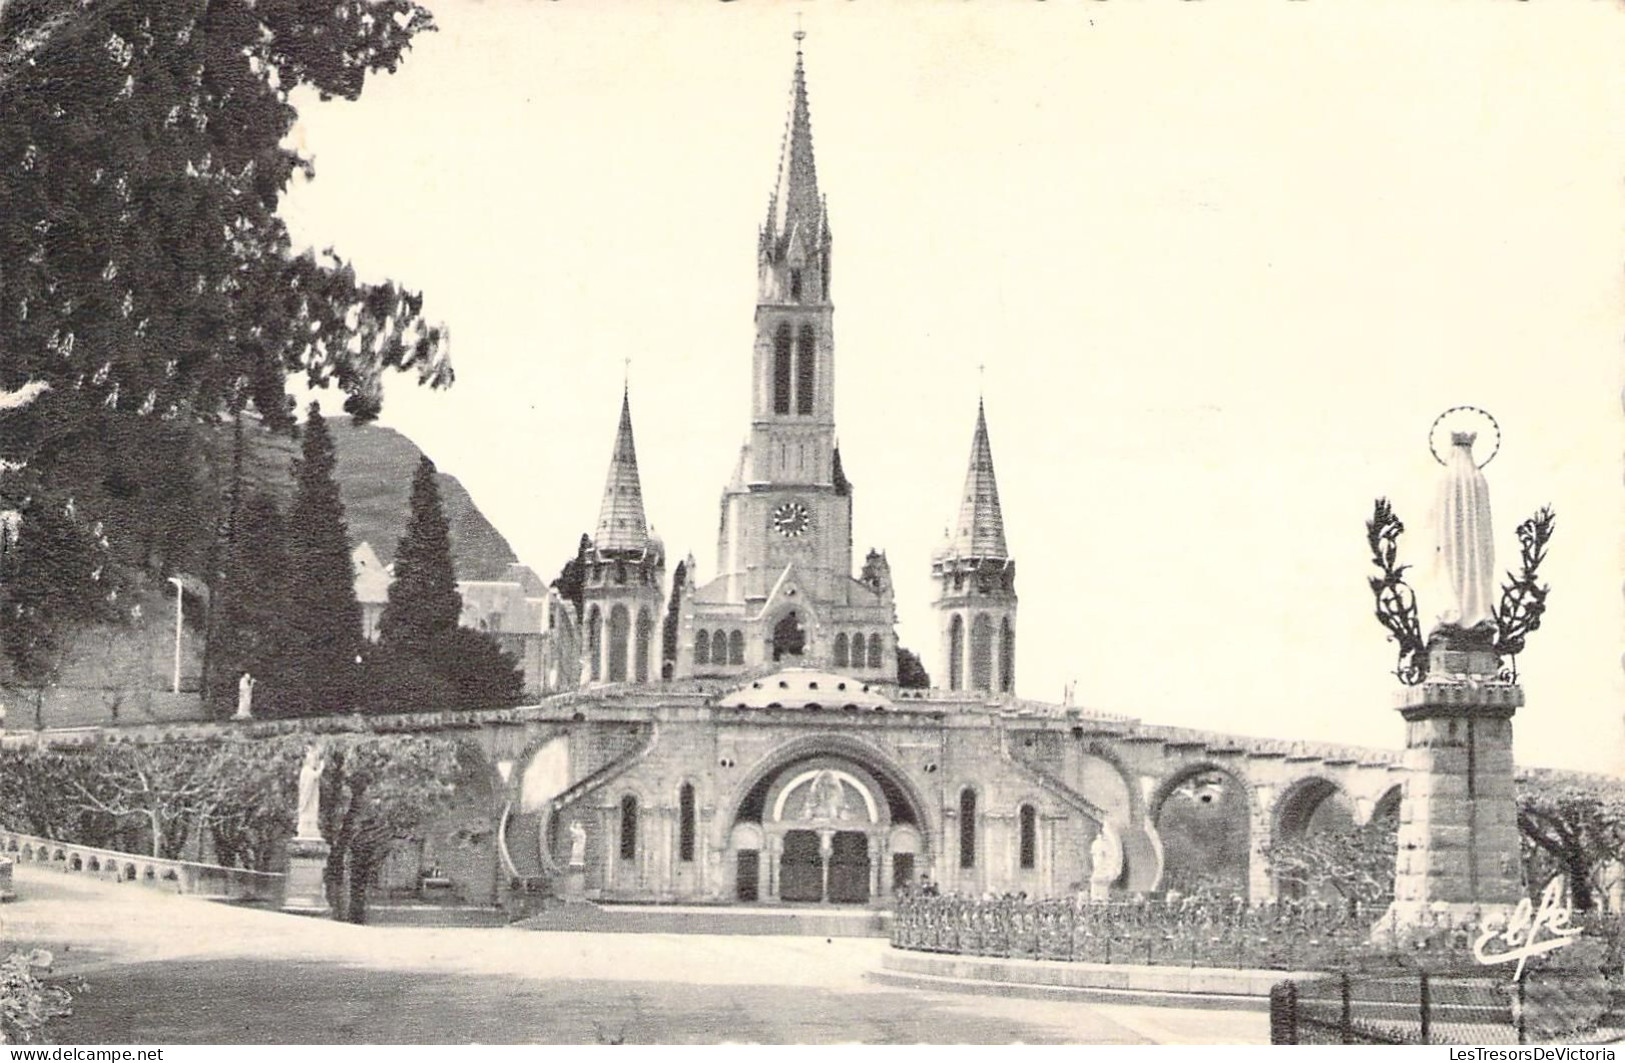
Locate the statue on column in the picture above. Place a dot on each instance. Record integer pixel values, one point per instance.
(1471, 613)
(1464, 559)
(310, 792)
(578, 844)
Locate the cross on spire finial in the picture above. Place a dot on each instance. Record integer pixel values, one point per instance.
(626, 372)
(800, 34)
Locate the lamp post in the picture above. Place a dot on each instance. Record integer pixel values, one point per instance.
(178, 608)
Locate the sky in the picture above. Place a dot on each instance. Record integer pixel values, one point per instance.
(1215, 270)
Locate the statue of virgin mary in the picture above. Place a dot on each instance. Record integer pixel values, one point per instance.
(1464, 561)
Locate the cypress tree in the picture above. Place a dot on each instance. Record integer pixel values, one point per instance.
(250, 602)
(423, 604)
(316, 670)
(674, 613)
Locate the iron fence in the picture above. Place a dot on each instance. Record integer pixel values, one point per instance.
(1282, 936)
(1421, 1007)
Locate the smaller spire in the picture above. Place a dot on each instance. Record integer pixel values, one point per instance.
(980, 531)
(621, 523)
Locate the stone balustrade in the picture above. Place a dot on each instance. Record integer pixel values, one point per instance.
(179, 876)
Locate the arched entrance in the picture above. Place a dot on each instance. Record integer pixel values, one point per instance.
(829, 830)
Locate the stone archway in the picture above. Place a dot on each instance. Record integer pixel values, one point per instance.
(1203, 817)
(823, 814)
(1306, 807)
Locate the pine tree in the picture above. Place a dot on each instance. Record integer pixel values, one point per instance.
(423, 604)
(316, 665)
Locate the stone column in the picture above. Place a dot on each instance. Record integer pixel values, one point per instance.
(826, 849)
(1459, 857)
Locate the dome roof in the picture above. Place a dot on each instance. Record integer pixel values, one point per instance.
(806, 688)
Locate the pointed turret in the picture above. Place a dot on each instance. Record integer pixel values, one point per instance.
(980, 531)
(626, 573)
(621, 523)
(976, 582)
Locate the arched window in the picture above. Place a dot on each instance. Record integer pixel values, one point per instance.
(874, 651)
(685, 823)
(736, 648)
(795, 285)
(1029, 837)
(857, 651)
(967, 827)
(840, 650)
(981, 653)
(1007, 656)
(806, 360)
(644, 636)
(620, 624)
(629, 827)
(595, 634)
(702, 647)
(956, 652)
(781, 370)
(719, 647)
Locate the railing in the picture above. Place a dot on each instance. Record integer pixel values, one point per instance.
(1482, 1007)
(1283, 936)
(178, 876)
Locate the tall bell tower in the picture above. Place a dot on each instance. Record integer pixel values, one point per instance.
(788, 503)
(784, 595)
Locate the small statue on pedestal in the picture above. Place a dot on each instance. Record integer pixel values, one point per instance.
(310, 793)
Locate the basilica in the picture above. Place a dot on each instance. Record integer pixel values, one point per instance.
(775, 757)
(784, 594)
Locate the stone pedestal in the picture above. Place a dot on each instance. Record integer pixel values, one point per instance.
(575, 885)
(1459, 860)
(6, 893)
(305, 888)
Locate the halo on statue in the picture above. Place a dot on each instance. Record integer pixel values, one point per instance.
(1462, 419)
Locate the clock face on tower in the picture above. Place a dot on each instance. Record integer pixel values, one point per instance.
(792, 519)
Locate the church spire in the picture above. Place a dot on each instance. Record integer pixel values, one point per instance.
(795, 240)
(796, 204)
(980, 532)
(621, 524)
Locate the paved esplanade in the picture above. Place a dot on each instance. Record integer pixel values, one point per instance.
(165, 969)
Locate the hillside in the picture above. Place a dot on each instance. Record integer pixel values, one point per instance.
(375, 466)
